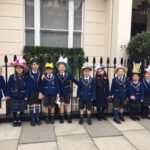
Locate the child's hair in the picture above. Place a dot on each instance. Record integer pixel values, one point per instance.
(105, 74)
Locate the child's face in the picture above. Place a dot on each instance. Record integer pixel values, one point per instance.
(86, 72)
(19, 69)
(147, 76)
(61, 68)
(34, 66)
(49, 70)
(135, 77)
(120, 72)
(101, 72)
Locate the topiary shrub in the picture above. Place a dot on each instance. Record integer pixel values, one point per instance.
(139, 47)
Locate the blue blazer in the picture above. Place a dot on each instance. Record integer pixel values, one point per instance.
(146, 86)
(49, 86)
(33, 82)
(86, 91)
(2, 87)
(120, 89)
(64, 83)
(136, 90)
(14, 91)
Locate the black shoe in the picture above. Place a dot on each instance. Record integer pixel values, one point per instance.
(137, 118)
(33, 123)
(81, 121)
(47, 121)
(147, 117)
(89, 121)
(52, 120)
(99, 118)
(121, 118)
(38, 122)
(104, 117)
(14, 123)
(117, 121)
(19, 123)
(133, 118)
(143, 116)
(69, 119)
(61, 120)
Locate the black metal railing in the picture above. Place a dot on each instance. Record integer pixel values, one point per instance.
(110, 65)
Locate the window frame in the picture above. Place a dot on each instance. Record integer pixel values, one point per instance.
(37, 26)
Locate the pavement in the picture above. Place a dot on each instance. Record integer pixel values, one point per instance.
(102, 135)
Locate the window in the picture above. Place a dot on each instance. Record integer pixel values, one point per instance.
(56, 23)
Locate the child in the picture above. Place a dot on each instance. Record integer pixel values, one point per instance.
(136, 93)
(33, 90)
(119, 92)
(86, 93)
(50, 90)
(2, 86)
(17, 91)
(64, 78)
(102, 92)
(146, 103)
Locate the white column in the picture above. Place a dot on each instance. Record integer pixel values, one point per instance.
(37, 22)
(121, 27)
(70, 23)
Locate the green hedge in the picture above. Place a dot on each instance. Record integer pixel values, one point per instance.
(139, 47)
(51, 54)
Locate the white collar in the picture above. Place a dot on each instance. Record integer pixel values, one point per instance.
(87, 78)
(135, 82)
(34, 71)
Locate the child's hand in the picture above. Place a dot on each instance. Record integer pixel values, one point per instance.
(7, 98)
(41, 96)
(142, 101)
(78, 98)
(43, 77)
(132, 97)
(92, 100)
(26, 99)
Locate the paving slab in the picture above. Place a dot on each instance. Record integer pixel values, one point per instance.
(8, 132)
(8, 145)
(127, 125)
(76, 142)
(69, 129)
(102, 129)
(37, 134)
(38, 146)
(139, 138)
(110, 143)
(145, 123)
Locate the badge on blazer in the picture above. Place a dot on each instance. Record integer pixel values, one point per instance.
(53, 82)
(124, 85)
(138, 89)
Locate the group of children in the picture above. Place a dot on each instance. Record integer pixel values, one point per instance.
(34, 88)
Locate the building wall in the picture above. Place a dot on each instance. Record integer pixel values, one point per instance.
(11, 28)
(94, 22)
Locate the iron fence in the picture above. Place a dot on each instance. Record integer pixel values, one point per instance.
(110, 65)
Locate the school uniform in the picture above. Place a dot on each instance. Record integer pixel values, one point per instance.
(33, 87)
(119, 90)
(86, 93)
(17, 91)
(136, 89)
(146, 103)
(34, 102)
(64, 84)
(2, 88)
(50, 89)
(102, 93)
